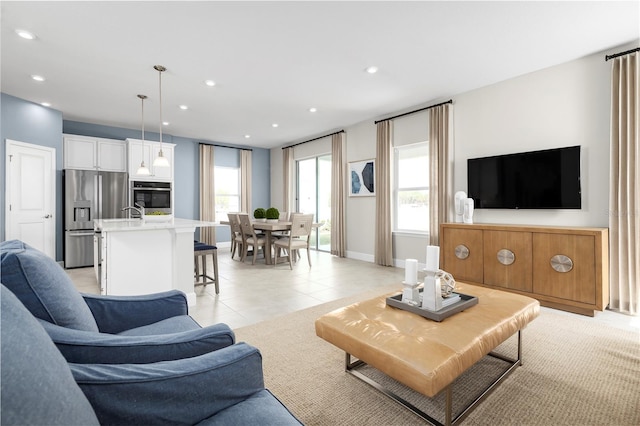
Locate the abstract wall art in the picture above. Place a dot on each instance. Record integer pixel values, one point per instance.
(362, 178)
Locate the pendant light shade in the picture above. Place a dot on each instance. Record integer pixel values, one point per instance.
(160, 160)
(142, 170)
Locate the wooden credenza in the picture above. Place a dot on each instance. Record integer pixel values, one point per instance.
(564, 268)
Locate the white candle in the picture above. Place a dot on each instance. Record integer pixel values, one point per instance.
(411, 271)
(433, 258)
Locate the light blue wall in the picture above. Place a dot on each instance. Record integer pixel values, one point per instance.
(24, 121)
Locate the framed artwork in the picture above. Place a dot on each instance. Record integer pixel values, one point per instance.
(362, 178)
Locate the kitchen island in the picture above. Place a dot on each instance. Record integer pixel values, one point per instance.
(142, 257)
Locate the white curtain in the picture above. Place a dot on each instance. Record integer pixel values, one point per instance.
(287, 174)
(624, 197)
(383, 242)
(440, 171)
(207, 194)
(245, 181)
(338, 232)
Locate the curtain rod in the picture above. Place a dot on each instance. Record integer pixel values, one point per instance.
(450, 101)
(226, 146)
(626, 52)
(314, 139)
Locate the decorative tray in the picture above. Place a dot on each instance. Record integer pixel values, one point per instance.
(465, 302)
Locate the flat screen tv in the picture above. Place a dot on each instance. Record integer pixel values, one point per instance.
(548, 179)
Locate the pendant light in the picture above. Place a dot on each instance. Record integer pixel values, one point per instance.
(143, 170)
(161, 160)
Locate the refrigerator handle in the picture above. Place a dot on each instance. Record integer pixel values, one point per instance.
(97, 197)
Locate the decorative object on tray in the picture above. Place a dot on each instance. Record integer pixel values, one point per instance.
(410, 283)
(432, 294)
(436, 300)
(464, 302)
(447, 283)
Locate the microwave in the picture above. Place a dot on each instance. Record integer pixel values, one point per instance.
(153, 196)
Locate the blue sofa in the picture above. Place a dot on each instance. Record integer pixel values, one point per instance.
(223, 387)
(105, 329)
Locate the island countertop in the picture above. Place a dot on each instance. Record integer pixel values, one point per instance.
(129, 225)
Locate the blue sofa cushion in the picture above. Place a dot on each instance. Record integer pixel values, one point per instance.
(167, 326)
(43, 286)
(37, 385)
(85, 347)
(262, 408)
(185, 391)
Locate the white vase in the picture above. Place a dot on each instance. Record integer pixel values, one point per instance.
(459, 198)
(467, 216)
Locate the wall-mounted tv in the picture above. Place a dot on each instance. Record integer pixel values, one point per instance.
(548, 179)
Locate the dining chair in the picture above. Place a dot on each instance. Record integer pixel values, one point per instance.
(297, 239)
(251, 238)
(237, 237)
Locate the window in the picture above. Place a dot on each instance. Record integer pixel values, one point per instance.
(411, 192)
(227, 190)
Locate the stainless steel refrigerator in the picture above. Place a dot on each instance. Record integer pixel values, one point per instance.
(89, 195)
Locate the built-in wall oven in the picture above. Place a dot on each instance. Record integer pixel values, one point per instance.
(153, 196)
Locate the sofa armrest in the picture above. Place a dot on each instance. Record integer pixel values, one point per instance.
(85, 347)
(114, 314)
(171, 392)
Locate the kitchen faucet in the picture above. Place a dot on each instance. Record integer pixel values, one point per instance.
(139, 209)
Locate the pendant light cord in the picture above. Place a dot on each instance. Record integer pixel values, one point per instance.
(160, 84)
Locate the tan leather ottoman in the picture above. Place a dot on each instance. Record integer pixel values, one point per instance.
(426, 355)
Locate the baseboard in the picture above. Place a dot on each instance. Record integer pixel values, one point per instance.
(360, 256)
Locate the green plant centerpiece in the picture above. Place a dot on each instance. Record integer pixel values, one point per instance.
(260, 214)
(273, 214)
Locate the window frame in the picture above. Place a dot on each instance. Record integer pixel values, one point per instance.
(216, 195)
(396, 190)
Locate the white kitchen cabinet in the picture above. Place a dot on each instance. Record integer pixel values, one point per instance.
(87, 153)
(149, 152)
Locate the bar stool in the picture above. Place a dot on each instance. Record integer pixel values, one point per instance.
(200, 252)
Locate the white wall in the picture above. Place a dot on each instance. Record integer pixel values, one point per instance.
(565, 105)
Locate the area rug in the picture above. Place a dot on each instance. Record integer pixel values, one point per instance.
(575, 372)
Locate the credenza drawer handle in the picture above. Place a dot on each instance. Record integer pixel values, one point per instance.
(561, 263)
(506, 257)
(462, 252)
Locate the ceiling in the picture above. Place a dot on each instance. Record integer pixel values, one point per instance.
(273, 61)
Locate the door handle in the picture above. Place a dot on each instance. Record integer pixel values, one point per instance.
(46, 217)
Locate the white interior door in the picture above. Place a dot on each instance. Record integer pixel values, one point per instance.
(31, 195)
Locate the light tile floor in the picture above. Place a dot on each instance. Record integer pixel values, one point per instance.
(254, 293)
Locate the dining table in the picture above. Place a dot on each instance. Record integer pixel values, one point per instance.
(267, 229)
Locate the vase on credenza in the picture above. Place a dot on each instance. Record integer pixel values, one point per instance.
(459, 198)
(467, 215)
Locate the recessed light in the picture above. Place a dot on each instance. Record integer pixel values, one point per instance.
(210, 83)
(37, 77)
(274, 125)
(165, 123)
(312, 109)
(26, 34)
(372, 69)
(45, 104)
(183, 107)
(247, 136)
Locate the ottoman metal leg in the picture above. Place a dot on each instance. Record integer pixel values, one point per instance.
(351, 368)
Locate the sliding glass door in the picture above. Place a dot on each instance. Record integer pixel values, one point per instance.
(313, 195)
